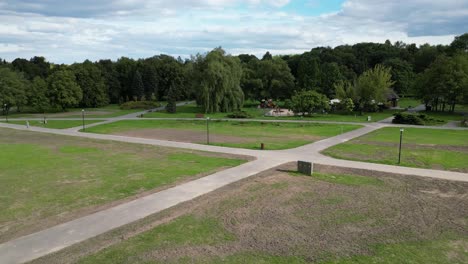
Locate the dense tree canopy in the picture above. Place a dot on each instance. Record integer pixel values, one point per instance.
(63, 91)
(435, 74)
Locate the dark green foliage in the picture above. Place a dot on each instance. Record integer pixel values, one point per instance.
(460, 44)
(414, 119)
(444, 83)
(12, 89)
(111, 79)
(139, 105)
(435, 74)
(36, 66)
(269, 78)
(89, 78)
(239, 114)
(307, 102)
(402, 75)
(138, 89)
(37, 95)
(218, 76)
(63, 91)
(171, 106)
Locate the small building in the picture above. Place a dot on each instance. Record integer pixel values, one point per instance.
(392, 98)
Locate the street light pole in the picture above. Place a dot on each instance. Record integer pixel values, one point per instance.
(82, 117)
(401, 139)
(6, 113)
(207, 130)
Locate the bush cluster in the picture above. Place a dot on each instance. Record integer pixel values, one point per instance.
(139, 105)
(414, 119)
(239, 114)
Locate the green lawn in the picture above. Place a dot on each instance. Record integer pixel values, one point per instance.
(104, 112)
(58, 124)
(424, 148)
(408, 102)
(190, 111)
(240, 134)
(44, 176)
(444, 116)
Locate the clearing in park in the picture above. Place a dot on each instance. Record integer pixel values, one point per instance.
(335, 216)
(49, 179)
(237, 134)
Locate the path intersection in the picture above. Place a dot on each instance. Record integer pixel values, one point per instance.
(33, 246)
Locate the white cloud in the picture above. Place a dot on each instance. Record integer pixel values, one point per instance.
(140, 28)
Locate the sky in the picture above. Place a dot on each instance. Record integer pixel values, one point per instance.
(72, 31)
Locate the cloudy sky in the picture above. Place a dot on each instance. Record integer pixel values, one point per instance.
(69, 31)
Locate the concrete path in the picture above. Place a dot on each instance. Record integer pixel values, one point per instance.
(33, 246)
(418, 108)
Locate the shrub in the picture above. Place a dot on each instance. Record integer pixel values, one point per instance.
(139, 105)
(414, 119)
(239, 114)
(405, 118)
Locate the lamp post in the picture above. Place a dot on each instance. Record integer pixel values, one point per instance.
(82, 117)
(401, 139)
(6, 112)
(207, 130)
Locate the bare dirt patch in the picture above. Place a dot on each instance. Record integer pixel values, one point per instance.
(280, 214)
(183, 135)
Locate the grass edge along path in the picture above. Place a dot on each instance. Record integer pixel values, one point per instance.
(421, 148)
(55, 124)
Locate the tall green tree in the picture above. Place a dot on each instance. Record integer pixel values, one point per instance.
(218, 76)
(63, 91)
(330, 74)
(138, 89)
(37, 95)
(445, 82)
(111, 79)
(402, 75)
(372, 87)
(460, 43)
(12, 89)
(308, 72)
(307, 102)
(89, 78)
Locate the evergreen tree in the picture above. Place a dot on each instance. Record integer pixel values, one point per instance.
(138, 89)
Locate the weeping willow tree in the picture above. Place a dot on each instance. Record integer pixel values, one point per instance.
(218, 81)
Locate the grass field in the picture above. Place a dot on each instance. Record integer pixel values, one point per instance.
(335, 216)
(423, 148)
(223, 133)
(58, 124)
(408, 102)
(45, 179)
(104, 112)
(190, 111)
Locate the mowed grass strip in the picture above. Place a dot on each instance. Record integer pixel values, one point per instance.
(191, 110)
(57, 124)
(237, 134)
(422, 148)
(45, 176)
(112, 110)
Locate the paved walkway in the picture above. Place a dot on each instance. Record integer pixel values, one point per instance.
(33, 246)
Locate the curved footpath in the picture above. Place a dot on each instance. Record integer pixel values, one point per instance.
(53, 239)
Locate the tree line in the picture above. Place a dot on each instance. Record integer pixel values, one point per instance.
(357, 74)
